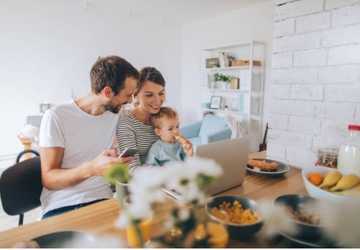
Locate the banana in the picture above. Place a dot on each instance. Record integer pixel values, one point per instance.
(331, 179)
(346, 182)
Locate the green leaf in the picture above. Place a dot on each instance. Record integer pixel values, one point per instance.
(203, 180)
(117, 173)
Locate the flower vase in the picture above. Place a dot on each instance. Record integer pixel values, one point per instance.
(138, 234)
(122, 193)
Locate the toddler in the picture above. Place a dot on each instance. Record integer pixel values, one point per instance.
(171, 146)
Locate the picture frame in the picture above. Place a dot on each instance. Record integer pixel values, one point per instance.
(215, 102)
(212, 62)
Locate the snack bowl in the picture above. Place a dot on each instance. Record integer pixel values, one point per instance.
(236, 230)
(295, 203)
(322, 194)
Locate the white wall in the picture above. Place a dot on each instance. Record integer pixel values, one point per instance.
(48, 47)
(315, 77)
(243, 25)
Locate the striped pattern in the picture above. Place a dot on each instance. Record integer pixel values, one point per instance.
(131, 133)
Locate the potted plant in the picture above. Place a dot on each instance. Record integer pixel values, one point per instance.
(221, 80)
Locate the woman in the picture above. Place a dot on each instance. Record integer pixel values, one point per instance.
(134, 129)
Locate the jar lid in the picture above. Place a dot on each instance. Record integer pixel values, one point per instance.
(354, 127)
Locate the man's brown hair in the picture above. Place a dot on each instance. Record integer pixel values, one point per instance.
(111, 71)
(165, 112)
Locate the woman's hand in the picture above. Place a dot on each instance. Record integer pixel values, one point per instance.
(106, 160)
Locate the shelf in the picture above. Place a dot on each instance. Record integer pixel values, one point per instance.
(228, 90)
(245, 67)
(227, 112)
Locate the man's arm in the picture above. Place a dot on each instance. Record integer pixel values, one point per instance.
(54, 177)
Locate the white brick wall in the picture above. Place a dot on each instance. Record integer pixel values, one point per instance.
(346, 16)
(331, 4)
(283, 28)
(298, 8)
(315, 89)
(315, 57)
(282, 60)
(339, 74)
(313, 22)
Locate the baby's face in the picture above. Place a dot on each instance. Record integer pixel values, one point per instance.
(168, 129)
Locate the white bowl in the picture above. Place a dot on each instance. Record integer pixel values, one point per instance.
(319, 193)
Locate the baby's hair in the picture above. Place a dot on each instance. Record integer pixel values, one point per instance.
(165, 112)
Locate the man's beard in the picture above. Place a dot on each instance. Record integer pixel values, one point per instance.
(112, 108)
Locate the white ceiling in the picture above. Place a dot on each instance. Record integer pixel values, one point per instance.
(180, 11)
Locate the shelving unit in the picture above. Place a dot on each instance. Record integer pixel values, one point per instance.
(241, 107)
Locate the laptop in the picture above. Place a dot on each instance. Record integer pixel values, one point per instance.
(232, 156)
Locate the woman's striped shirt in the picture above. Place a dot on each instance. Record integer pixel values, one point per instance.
(134, 134)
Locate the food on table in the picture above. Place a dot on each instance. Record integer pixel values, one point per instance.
(315, 178)
(219, 236)
(346, 182)
(234, 213)
(327, 157)
(302, 215)
(263, 165)
(331, 179)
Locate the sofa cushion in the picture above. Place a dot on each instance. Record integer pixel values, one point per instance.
(212, 124)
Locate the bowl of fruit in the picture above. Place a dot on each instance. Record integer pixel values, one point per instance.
(331, 184)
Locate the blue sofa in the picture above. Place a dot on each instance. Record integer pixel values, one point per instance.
(212, 128)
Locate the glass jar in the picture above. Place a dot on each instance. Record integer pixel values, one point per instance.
(349, 153)
(327, 157)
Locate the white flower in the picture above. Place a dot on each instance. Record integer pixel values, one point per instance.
(341, 221)
(184, 214)
(276, 219)
(204, 166)
(122, 221)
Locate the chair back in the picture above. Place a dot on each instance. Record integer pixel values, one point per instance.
(21, 186)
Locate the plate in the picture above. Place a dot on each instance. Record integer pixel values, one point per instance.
(282, 169)
(320, 242)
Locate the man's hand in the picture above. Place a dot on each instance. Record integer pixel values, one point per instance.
(106, 160)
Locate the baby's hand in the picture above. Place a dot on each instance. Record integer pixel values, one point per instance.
(186, 144)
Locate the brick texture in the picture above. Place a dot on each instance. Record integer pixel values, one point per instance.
(315, 87)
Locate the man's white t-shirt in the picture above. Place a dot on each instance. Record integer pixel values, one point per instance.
(84, 137)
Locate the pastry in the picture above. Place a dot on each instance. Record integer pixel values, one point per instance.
(263, 165)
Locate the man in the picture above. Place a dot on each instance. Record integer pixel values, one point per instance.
(75, 139)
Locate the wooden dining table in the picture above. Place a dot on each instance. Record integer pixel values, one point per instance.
(99, 218)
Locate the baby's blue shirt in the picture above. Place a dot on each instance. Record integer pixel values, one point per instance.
(163, 152)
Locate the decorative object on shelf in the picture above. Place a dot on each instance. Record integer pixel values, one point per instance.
(222, 81)
(240, 62)
(212, 62)
(234, 83)
(224, 59)
(215, 102)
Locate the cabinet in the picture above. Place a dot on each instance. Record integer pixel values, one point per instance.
(233, 86)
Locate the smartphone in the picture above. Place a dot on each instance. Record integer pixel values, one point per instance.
(128, 152)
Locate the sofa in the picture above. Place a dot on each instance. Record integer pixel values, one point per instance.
(212, 128)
